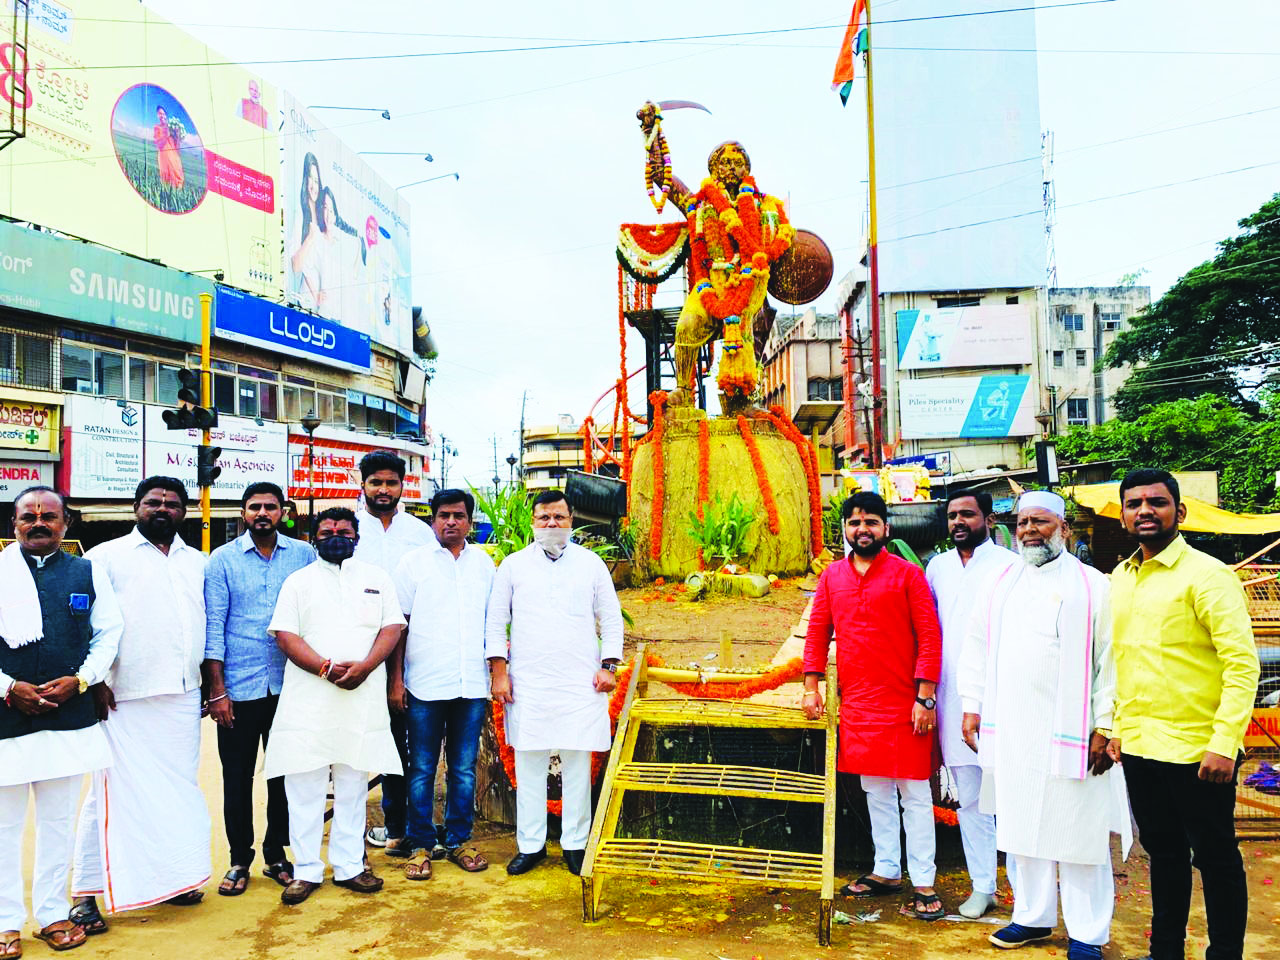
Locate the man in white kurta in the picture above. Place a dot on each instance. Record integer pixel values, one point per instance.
(554, 676)
(336, 620)
(60, 628)
(956, 578)
(152, 698)
(1037, 681)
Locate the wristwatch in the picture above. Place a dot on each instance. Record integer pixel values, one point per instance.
(610, 666)
(929, 703)
(82, 683)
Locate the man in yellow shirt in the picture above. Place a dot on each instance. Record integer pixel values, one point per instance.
(1187, 675)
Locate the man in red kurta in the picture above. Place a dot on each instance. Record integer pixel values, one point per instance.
(889, 655)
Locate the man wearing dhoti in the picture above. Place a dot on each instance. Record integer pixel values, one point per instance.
(888, 654)
(337, 620)
(60, 628)
(143, 836)
(555, 674)
(956, 578)
(1037, 683)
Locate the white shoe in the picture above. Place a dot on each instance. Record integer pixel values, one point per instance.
(376, 837)
(977, 905)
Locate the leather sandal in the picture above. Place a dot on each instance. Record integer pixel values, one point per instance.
(281, 872)
(469, 858)
(11, 944)
(87, 915)
(237, 878)
(63, 935)
(297, 891)
(364, 882)
(418, 869)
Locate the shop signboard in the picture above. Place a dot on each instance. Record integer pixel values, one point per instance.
(250, 452)
(28, 426)
(993, 336)
(336, 472)
(104, 447)
(59, 277)
(17, 475)
(253, 320)
(997, 405)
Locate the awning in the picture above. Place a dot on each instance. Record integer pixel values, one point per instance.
(1104, 500)
(92, 511)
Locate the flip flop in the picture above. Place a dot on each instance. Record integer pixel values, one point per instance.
(875, 888)
(239, 879)
(919, 900)
(188, 899)
(62, 935)
(11, 944)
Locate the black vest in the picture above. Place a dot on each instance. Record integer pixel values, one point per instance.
(60, 653)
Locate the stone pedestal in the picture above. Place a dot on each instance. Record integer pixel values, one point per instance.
(730, 471)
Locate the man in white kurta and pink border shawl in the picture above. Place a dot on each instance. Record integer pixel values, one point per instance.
(1037, 683)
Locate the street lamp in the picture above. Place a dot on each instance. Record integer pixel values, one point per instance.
(386, 114)
(405, 186)
(511, 468)
(396, 153)
(309, 424)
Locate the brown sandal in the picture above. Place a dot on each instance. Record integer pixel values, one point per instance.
(11, 944)
(469, 858)
(418, 869)
(62, 935)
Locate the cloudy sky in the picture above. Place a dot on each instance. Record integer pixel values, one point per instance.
(1158, 106)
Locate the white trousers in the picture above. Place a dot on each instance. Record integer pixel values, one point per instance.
(977, 829)
(307, 793)
(56, 802)
(917, 819)
(1088, 896)
(531, 798)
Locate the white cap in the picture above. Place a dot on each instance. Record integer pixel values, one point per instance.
(1046, 500)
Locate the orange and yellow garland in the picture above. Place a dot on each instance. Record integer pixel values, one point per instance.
(762, 478)
(659, 400)
(704, 475)
(808, 457)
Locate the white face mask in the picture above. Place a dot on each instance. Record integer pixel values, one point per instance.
(551, 539)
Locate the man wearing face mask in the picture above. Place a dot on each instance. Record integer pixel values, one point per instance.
(554, 674)
(60, 628)
(336, 620)
(143, 836)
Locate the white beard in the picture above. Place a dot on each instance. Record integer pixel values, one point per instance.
(1042, 553)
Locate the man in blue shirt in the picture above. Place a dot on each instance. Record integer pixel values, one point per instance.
(244, 670)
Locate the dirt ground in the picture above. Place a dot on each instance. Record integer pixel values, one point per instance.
(538, 915)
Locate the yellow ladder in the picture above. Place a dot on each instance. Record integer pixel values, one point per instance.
(609, 855)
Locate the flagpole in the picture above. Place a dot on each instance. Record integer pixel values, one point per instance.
(873, 267)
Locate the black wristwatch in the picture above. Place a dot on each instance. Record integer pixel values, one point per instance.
(927, 702)
(610, 666)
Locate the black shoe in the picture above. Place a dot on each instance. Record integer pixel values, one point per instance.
(524, 862)
(573, 860)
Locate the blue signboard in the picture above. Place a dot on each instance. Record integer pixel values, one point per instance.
(79, 281)
(248, 319)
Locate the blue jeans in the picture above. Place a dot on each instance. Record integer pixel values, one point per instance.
(456, 724)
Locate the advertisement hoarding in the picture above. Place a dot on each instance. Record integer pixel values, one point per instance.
(346, 234)
(142, 138)
(17, 475)
(104, 445)
(58, 277)
(995, 336)
(249, 319)
(999, 405)
(336, 472)
(28, 426)
(249, 452)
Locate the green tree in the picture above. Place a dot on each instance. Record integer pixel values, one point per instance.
(1214, 331)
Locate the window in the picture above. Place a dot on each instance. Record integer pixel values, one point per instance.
(77, 368)
(1011, 300)
(957, 301)
(267, 408)
(1082, 358)
(248, 398)
(832, 389)
(224, 393)
(1111, 321)
(1073, 321)
(27, 360)
(1058, 358)
(1077, 412)
(142, 380)
(168, 384)
(325, 410)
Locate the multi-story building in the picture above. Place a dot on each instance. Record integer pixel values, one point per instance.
(551, 451)
(1083, 322)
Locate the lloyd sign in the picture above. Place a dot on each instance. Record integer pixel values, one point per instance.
(249, 453)
(252, 320)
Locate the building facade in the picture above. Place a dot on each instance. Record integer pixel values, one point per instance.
(550, 451)
(1083, 323)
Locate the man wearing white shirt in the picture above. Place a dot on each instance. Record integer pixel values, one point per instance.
(554, 674)
(387, 533)
(439, 680)
(154, 845)
(956, 579)
(60, 628)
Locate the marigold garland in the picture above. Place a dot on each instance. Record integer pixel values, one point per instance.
(809, 458)
(659, 400)
(762, 478)
(704, 475)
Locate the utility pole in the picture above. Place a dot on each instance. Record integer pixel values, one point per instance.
(497, 480)
(523, 400)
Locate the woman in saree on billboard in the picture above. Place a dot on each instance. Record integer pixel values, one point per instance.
(159, 150)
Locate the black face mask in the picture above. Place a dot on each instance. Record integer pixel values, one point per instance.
(336, 549)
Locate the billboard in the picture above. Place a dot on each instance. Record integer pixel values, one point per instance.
(28, 426)
(995, 336)
(336, 471)
(960, 180)
(998, 405)
(249, 452)
(103, 446)
(58, 277)
(346, 234)
(250, 319)
(142, 138)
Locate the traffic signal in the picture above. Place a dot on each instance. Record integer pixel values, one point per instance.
(189, 414)
(207, 469)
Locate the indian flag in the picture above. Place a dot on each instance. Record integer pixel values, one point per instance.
(854, 43)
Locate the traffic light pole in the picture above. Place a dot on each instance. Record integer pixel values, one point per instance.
(206, 401)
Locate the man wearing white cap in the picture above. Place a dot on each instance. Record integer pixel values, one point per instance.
(1037, 683)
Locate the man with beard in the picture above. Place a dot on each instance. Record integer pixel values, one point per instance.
(337, 620)
(440, 681)
(1036, 677)
(387, 534)
(888, 653)
(554, 673)
(60, 628)
(1180, 616)
(244, 670)
(143, 836)
(956, 579)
